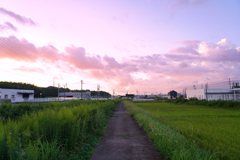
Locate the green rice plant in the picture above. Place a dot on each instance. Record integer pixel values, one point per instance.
(203, 102)
(213, 128)
(170, 142)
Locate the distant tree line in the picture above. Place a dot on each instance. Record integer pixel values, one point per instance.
(50, 91)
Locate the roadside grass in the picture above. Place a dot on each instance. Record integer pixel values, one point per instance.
(56, 133)
(215, 129)
(170, 142)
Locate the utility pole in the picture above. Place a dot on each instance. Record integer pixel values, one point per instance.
(98, 89)
(64, 91)
(206, 87)
(137, 94)
(229, 83)
(81, 87)
(58, 92)
(113, 93)
(185, 92)
(194, 87)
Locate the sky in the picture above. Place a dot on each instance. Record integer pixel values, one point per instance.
(129, 46)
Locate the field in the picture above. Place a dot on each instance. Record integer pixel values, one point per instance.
(214, 129)
(52, 131)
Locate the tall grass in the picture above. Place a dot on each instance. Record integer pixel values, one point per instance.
(56, 133)
(17, 110)
(170, 142)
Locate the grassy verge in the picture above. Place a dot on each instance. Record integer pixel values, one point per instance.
(60, 133)
(170, 142)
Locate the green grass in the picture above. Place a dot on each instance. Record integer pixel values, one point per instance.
(215, 129)
(58, 132)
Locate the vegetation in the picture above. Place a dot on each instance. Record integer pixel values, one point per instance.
(16, 111)
(205, 128)
(170, 142)
(214, 103)
(67, 132)
(50, 91)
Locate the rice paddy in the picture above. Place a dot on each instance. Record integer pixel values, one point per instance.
(212, 129)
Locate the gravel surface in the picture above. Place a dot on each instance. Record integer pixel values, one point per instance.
(125, 140)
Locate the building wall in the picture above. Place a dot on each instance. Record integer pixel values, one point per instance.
(85, 95)
(197, 93)
(14, 95)
(213, 94)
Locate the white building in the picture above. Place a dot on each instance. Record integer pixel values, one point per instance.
(16, 95)
(214, 94)
(85, 94)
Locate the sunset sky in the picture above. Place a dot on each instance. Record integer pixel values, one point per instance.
(152, 46)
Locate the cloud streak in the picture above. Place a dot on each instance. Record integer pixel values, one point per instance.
(7, 26)
(18, 18)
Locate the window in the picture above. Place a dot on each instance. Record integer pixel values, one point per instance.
(13, 96)
(6, 96)
(0, 95)
(25, 95)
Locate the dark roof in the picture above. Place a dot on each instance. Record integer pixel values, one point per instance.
(130, 95)
(172, 93)
(25, 92)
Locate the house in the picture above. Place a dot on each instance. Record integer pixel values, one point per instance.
(172, 95)
(130, 96)
(16, 95)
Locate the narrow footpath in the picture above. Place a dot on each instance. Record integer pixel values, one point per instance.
(124, 140)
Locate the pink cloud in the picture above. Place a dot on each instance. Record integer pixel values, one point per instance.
(213, 61)
(189, 48)
(29, 69)
(11, 47)
(8, 26)
(78, 57)
(20, 19)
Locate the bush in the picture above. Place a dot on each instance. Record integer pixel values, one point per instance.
(181, 101)
(193, 99)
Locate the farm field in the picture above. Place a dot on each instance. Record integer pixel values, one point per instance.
(52, 131)
(215, 129)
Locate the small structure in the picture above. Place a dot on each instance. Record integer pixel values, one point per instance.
(130, 96)
(172, 95)
(16, 95)
(83, 94)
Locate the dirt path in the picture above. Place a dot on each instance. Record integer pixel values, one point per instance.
(125, 140)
